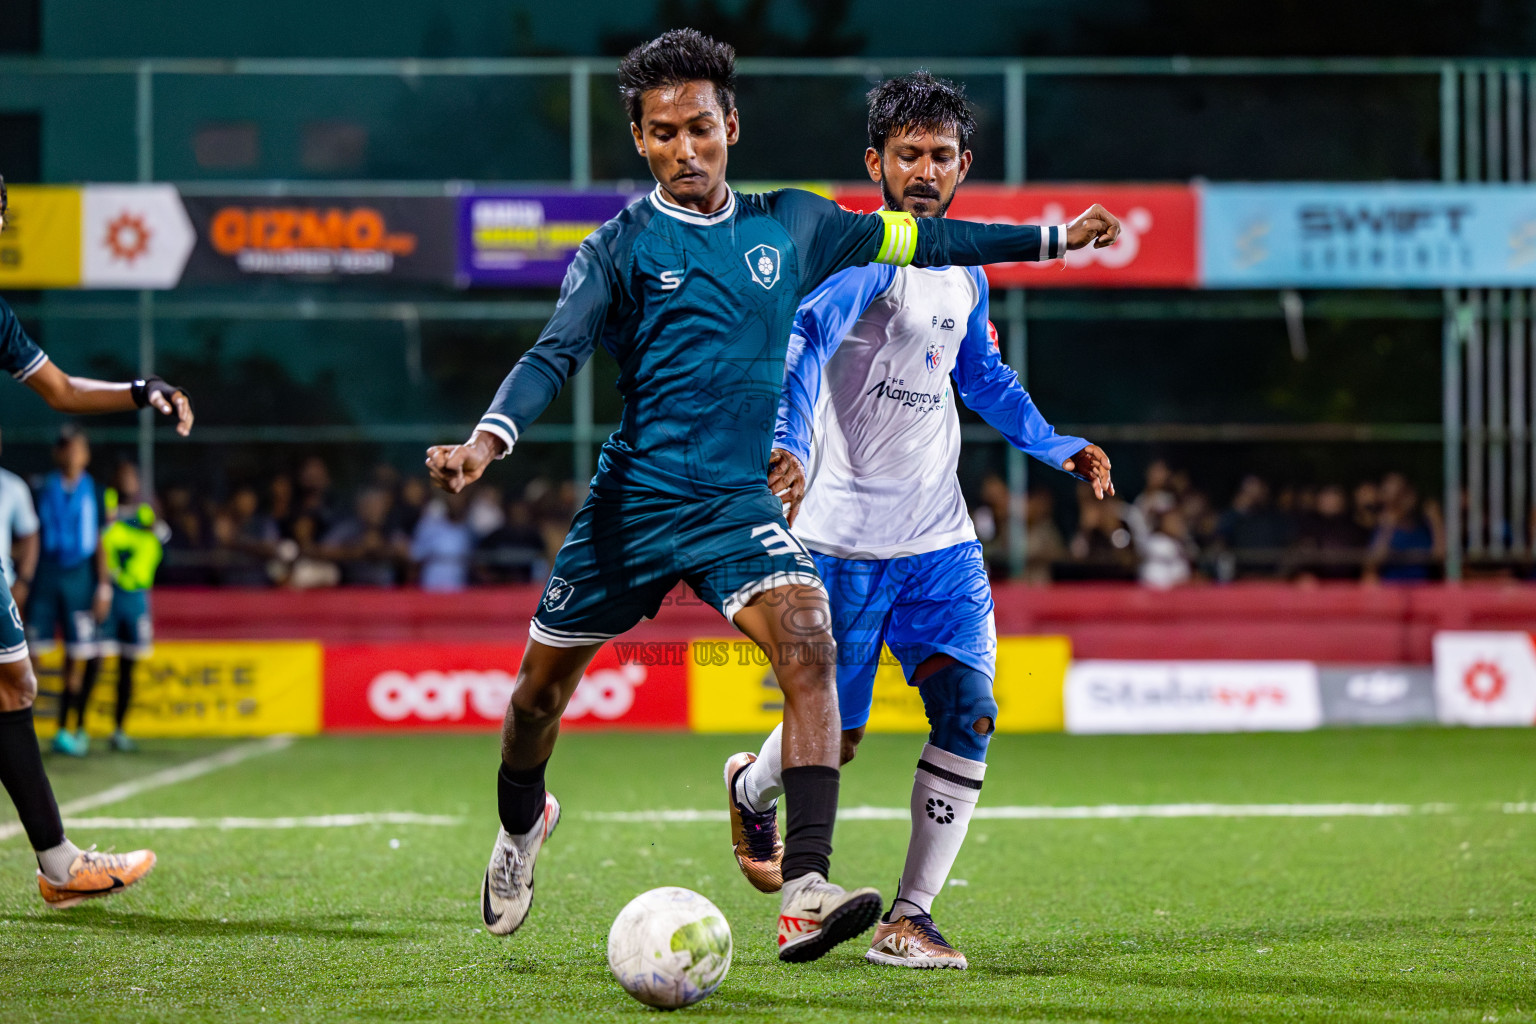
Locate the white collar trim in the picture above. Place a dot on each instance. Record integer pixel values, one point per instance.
(687, 216)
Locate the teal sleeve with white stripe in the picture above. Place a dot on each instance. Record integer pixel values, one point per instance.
(19, 354)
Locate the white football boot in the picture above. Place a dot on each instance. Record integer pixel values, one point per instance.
(506, 891)
(816, 915)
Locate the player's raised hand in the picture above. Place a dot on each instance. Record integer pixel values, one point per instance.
(786, 479)
(1092, 464)
(165, 398)
(1096, 225)
(454, 467)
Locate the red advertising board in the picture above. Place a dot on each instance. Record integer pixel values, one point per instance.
(1157, 247)
(467, 686)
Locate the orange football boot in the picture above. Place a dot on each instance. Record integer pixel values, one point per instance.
(94, 875)
(754, 834)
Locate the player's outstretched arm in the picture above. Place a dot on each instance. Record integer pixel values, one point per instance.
(82, 395)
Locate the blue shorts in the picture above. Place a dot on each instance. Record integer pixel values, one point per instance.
(128, 629)
(13, 639)
(939, 602)
(60, 602)
(621, 559)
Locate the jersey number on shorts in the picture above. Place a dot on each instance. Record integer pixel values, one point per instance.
(778, 541)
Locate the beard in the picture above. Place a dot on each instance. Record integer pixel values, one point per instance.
(916, 192)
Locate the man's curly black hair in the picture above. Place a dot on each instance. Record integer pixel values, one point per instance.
(672, 58)
(919, 102)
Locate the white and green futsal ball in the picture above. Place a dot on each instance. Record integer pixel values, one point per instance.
(669, 947)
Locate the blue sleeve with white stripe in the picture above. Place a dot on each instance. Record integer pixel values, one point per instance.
(565, 344)
(992, 390)
(19, 354)
(820, 323)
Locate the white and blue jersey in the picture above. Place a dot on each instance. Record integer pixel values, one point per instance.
(876, 360)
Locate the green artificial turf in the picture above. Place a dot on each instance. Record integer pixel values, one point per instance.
(1425, 917)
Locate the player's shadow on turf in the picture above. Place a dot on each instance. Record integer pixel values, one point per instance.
(203, 927)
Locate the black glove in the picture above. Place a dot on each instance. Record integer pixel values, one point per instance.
(141, 390)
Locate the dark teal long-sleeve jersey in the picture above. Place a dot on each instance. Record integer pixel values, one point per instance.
(697, 311)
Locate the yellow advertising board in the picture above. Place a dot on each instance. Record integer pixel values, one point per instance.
(247, 688)
(732, 689)
(40, 247)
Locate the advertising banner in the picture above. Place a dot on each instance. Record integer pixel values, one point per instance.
(1367, 236)
(1157, 240)
(527, 239)
(133, 236)
(1376, 694)
(412, 686)
(245, 688)
(732, 689)
(1191, 696)
(393, 239)
(40, 247)
(1485, 678)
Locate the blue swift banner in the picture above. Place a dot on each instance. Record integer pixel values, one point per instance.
(1367, 236)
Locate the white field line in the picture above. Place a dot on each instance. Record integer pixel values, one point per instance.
(309, 821)
(1097, 812)
(166, 777)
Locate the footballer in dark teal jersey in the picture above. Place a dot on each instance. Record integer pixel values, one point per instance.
(66, 874)
(693, 291)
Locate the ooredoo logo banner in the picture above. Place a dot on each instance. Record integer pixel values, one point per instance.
(1191, 696)
(1157, 239)
(1485, 678)
(468, 686)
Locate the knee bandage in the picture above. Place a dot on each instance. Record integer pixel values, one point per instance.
(961, 712)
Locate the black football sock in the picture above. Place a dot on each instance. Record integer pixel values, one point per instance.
(520, 797)
(21, 772)
(811, 792)
(87, 684)
(124, 690)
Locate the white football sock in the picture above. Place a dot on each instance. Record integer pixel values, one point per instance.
(944, 793)
(55, 861)
(763, 781)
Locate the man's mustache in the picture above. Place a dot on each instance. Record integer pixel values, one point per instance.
(921, 192)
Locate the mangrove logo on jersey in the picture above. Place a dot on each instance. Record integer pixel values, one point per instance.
(896, 390)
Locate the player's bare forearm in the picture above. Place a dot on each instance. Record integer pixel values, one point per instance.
(85, 396)
(454, 467)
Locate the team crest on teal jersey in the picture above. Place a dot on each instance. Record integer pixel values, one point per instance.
(763, 264)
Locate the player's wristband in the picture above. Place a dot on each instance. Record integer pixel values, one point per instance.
(502, 427)
(143, 390)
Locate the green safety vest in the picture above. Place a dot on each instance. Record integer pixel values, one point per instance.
(133, 549)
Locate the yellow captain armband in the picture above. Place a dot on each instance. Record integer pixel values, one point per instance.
(899, 243)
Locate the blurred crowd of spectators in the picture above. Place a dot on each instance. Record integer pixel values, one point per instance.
(295, 531)
(1172, 532)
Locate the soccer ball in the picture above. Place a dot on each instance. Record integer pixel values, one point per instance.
(669, 947)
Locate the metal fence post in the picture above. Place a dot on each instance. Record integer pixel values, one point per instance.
(581, 177)
(1018, 465)
(144, 127)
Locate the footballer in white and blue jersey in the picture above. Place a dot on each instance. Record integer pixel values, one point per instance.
(877, 359)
